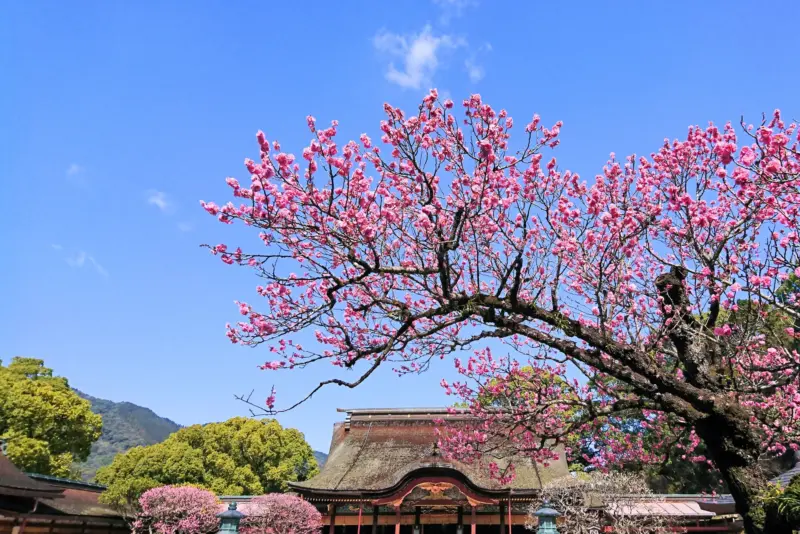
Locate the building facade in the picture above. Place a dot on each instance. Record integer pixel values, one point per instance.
(37, 504)
(385, 475)
(384, 472)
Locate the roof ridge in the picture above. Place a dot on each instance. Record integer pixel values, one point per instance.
(421, 410)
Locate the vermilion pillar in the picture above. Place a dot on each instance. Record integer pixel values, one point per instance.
(397, 521)
(472, 528)
(332, 514)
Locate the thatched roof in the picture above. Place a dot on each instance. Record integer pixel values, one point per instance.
(374, 451)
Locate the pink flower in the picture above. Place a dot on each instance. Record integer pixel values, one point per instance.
(747, 156)
(280, 514)
(723, 331)
(177, 509)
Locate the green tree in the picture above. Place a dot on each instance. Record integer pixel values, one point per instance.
(46, 425)
(782, 506)
(236, 457)
(788, 503)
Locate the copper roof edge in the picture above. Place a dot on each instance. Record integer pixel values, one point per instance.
(416, 471)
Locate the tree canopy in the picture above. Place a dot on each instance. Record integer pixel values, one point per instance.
(240, 456)
(448, 233)
(46, 425)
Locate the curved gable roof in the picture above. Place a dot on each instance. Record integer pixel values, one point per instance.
(14, 482)
(375, 451)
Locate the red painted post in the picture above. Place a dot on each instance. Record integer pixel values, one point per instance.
(472, 529)
(332, 529)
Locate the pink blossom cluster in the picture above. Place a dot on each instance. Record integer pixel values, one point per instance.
(279, 513)
(177, 510)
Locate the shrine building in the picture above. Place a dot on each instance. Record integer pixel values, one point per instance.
(384, 471)
(385, 475)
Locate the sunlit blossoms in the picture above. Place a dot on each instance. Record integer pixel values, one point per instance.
(659, 296)
(278, 513)
(177, 509)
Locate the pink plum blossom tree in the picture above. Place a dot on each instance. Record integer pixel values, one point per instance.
(177, 510)
(279, 513)
(657, 282)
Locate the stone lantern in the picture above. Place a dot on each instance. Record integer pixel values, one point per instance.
(547, 519)
(229, 519)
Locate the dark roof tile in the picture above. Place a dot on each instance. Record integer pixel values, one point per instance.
(15, 483)
(784, 479)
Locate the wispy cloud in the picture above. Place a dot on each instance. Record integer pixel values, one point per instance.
(418, 54)
(184, 226)
(76, 174)
(475, 70)
(82, 259)
(451, 9)
(74, 169)
(56, 246)
(159, 200)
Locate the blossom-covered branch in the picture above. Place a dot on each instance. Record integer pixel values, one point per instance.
(667, 281)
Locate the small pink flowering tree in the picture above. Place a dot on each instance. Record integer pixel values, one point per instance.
(279, 513)
(177, 510)
(666, 282)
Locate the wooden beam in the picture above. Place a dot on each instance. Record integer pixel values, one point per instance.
(332, 528)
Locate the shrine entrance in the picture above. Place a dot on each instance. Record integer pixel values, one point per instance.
(439, 529)
(429, 505)
(385, 475)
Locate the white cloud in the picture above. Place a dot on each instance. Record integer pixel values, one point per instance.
(185, 226)
(76, 174)
(453, 8)
(56, 246)
(159, 200)
(78, 260)
(475, 70)
(74, 169)
(81, 259)
(418, 54)
(99, 268)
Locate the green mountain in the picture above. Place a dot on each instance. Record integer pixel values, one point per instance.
(321, 458)
(125, 425)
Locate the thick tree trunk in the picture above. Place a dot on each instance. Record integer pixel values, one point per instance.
(735, 452)
(725, 428)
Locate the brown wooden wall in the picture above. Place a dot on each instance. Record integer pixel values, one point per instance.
(14, 525)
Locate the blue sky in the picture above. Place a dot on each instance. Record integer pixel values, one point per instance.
(116, 118)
